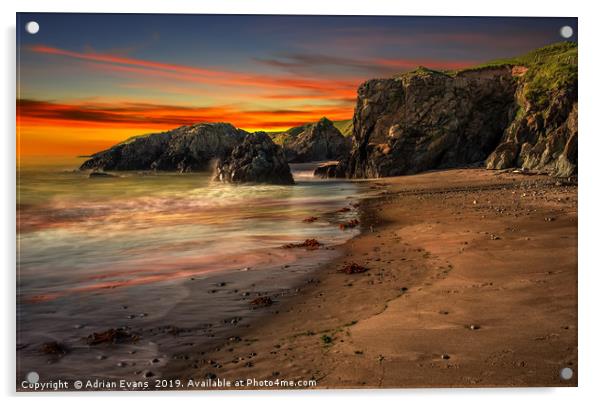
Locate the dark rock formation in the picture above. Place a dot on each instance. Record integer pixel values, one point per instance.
(519, 113)
(315, 142)
(184, 149)
(426, 120)
(543, 140)
(326, 170)
(258, 160)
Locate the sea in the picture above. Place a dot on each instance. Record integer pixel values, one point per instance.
(170, 260)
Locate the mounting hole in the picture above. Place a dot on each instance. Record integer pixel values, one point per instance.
(566, 31)
(32, 377)
(566, 373)
(32, 27)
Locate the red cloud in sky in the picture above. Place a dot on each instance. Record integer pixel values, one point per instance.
(35, 112)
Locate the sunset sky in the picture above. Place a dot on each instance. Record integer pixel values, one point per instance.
(87, 81)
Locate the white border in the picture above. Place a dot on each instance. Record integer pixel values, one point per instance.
(590, 280)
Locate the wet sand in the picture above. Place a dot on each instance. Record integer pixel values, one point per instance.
(472, 282)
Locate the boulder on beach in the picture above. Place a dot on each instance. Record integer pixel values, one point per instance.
(326, 170)
(256, 160)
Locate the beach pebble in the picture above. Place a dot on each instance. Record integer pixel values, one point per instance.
(445, 356)
(474, 327)
(149, 374)
(101, 357)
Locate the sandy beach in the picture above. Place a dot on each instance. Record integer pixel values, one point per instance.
(471, 282)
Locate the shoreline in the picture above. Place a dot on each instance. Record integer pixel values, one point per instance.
(424, 314)
(192, 307)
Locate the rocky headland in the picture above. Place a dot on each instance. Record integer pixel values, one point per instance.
(184, 149)
(520, 112)
(237, 156)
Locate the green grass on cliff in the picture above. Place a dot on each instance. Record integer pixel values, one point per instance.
(345, 126)
(283, 137)
(280, 138)
(550, 68)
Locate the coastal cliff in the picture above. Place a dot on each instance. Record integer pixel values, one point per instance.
(520, 112)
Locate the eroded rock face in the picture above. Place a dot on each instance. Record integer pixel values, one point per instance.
(541, 139)
(184, 149)
(315, 142)
(256, 160)
(426, 120)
